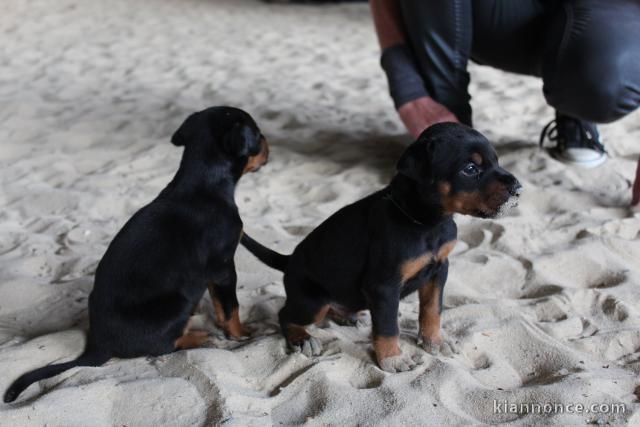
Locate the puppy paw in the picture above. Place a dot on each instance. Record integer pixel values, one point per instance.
(235, 330)
(309, 347)
(241, 334)
(363, 321)
(431, 346)
(449, 348)
(400, 363)
(438, 345)
(344, 320)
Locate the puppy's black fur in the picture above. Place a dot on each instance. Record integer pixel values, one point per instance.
(158, 266)
(372, 253)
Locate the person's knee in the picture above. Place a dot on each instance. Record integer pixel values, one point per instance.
(595, 90)
(603, 98)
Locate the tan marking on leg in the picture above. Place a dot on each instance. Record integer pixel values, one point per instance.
(187, 326)
(477, 159)
(386, 347)
(296, 334)
(445, 250)
(190, 339)
(410, 268)
(231, 326)
(340, 315)
(217, 306)
(429, 317)
(319, 317)
(234, 327)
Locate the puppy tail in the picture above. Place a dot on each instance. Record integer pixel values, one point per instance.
(86, 359)
(270, 257)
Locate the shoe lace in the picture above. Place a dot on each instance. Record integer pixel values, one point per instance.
(555, 131)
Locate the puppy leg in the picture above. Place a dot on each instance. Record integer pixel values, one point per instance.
(305, 305)
(293, 318)
(225, 304)
(430, 295)
(342, 317)
(384, 302)
(190, 339)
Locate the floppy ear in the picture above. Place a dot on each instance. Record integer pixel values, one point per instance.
(415, 162)
(186, 132)
(236, 140)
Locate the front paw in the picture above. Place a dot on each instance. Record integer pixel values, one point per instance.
(400, 363)
(430, 344)
(310, 346)
(438, 345)
(239, 332)
(234, 330)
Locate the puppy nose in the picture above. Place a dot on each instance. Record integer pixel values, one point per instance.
(510, 182)
(515, 189)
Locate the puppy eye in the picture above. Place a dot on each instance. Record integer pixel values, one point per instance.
(470, 170)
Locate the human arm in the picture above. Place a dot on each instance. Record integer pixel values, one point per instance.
(416, 108)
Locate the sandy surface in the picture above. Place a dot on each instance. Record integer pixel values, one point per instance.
(543, 305)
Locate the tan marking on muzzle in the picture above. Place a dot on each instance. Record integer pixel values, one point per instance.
(464, 203)
(255, 162)
(444, 187)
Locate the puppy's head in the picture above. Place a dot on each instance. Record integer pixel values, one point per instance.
(224, 134)
(457, 165)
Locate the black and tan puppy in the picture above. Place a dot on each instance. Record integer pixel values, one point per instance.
(158, 266)
(372, 253)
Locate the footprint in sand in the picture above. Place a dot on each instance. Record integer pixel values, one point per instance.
(610, 279)
(302, 407)
(476, 274)
(614, 309)
(540, 291)
(517, 353)
(551, 310)
(298, 230)
(480, 234)
(372, 377)
(481, 361)
(270, 114)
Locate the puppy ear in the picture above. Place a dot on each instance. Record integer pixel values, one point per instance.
(236, 140)
(415, 162)
(186, 132)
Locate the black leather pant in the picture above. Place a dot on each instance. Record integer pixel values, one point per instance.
(587, 52)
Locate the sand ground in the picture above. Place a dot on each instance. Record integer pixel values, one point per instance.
(543, 305)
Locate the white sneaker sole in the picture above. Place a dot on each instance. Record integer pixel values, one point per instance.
(582, 157)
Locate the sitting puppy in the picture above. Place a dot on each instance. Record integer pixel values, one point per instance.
(157, 267)
(374, 252)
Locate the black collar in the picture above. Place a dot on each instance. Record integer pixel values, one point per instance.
(390, 197)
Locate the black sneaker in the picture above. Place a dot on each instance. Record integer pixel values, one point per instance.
(577, 142)
(314, 1)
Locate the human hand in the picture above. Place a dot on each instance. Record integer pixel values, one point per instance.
(419, 114)
(635, 200)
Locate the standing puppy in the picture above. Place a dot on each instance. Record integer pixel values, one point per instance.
(372, 253)
(158, 266)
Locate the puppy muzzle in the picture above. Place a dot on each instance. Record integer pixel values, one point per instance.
(260, 159)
